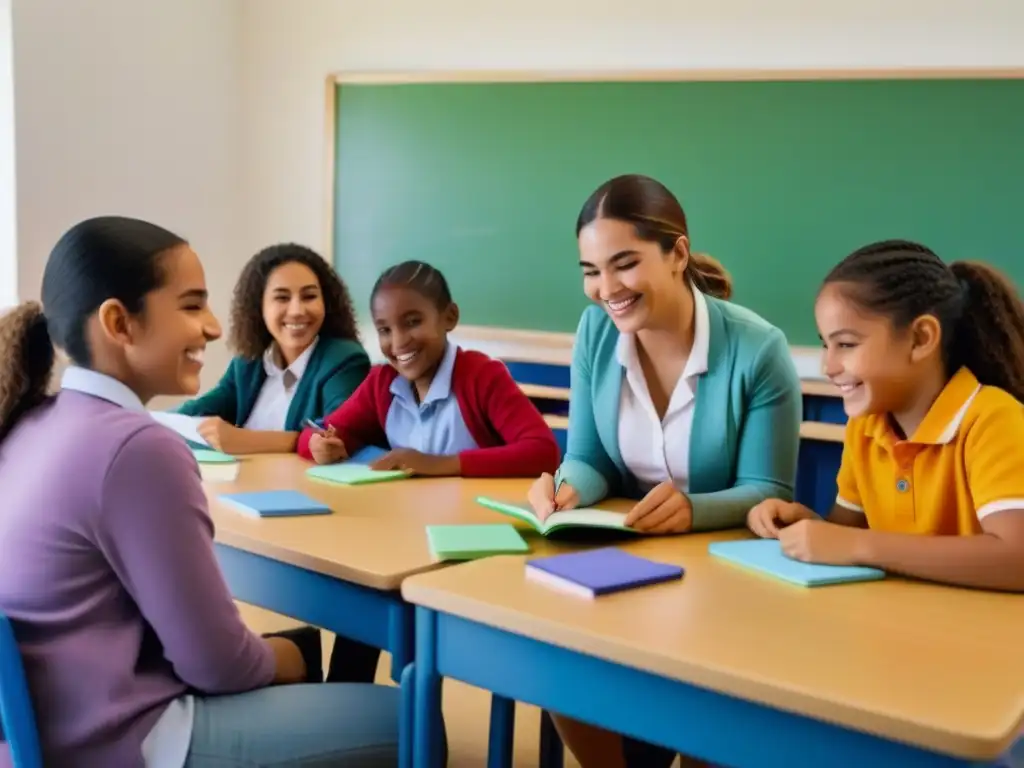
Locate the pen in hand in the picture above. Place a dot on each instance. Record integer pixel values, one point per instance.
(319, 429)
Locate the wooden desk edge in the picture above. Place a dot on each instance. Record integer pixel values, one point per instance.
(971, 747)
(819, 430)
(556, 422)
(384, 583)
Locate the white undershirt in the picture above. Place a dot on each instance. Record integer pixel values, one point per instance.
(655, 450)
(270, 411)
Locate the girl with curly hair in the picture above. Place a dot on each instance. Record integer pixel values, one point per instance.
(299, 355)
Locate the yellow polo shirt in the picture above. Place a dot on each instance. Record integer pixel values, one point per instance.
(965, 461)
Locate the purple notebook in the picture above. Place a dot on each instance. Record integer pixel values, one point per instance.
(600, 571)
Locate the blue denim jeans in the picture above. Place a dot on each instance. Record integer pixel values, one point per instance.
(297, 726)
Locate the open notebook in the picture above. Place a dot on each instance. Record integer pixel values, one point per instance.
(766, 556)
(186, 426)
(571, 518)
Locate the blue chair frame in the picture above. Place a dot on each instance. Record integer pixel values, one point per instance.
(17, 718)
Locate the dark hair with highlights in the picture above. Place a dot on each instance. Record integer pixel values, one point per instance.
(250, 336)
(426, 280)
(109, 257)
(657, 217)
(978, 308)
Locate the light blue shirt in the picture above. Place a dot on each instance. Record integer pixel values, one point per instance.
(434, 426)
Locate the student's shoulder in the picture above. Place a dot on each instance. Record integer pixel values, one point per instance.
(994, 410)
(478, 367)
(115, 432)
(475, 360)
(380, 376)
(744, 327)
(241, 367)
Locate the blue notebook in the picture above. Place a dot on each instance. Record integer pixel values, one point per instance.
(600, 571)
(765, 556)
(366, 455)
(275, 504)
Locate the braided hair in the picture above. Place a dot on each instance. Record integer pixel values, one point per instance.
(420, 277)
(978, 308)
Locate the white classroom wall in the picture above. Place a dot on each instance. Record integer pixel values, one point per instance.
(130, 107)
(207, 115)
(289, 47)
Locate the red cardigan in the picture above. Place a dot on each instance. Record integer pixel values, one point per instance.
(514, 440)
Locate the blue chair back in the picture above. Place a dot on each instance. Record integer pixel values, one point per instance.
(17, 720)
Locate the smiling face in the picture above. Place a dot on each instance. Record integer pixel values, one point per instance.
(876, 367)
(164, 347)
(293, 308)
(633, 279)
(412, 331)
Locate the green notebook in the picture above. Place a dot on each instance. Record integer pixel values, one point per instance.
(571, 518)
(469, 542)
(353, 474)
(210, 456)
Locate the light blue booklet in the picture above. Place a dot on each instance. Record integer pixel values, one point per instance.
(284, 503)
(765, 556)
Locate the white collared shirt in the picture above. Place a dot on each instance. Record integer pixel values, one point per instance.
(270, 411)
(655, 450)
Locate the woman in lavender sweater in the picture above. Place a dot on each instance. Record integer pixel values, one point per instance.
(134, 651)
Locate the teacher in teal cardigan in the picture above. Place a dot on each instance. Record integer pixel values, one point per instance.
(678, 398)
(299, 355)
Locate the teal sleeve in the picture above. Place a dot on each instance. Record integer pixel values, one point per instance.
(343, 380)
(587, 466)
(768, 446)
(220, 401)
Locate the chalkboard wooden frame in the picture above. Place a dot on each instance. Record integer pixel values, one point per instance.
(533, 344)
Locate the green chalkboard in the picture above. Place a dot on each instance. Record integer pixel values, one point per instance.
(779, 180)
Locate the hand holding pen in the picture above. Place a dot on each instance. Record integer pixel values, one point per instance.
(325, 445)
(546, 497)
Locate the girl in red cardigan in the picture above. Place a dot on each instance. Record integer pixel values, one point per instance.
(440, 410)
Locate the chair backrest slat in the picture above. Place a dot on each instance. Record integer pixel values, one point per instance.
(17, 718)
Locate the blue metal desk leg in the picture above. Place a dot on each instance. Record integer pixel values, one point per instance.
(407, 717)
(552, 751)
(503, 728)
(428, 743)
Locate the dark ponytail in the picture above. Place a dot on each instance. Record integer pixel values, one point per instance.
(980, 312)
(657, 217)
(421, 277)
(26, 362)
(990, 337)
(109, 257)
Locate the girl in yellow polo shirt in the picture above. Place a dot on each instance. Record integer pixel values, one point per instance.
(929, 360)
